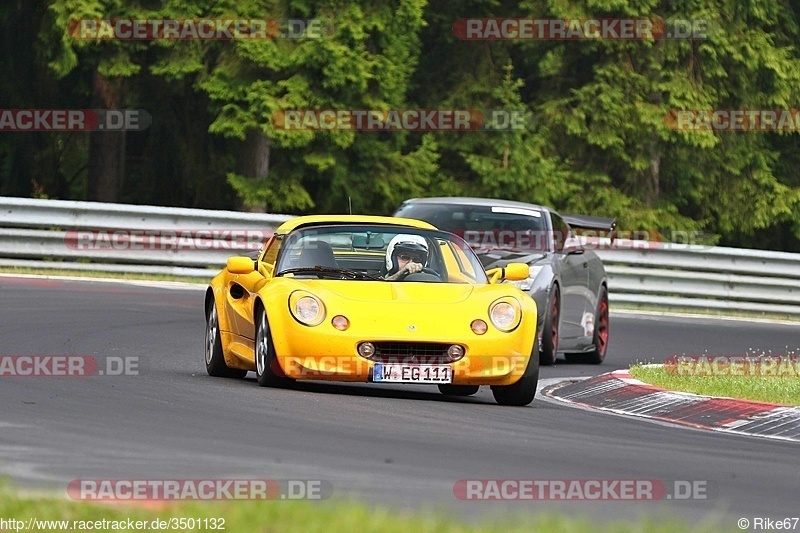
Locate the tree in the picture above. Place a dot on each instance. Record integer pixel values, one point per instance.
(606, 103)
(108, 64)
(363, 61)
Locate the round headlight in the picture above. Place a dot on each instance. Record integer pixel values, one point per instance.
(307, 309)
(503, 316)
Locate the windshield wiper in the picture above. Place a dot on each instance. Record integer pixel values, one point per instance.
(328, 270)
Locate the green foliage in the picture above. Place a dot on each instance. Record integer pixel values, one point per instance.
(515, 164)
(599, 138)
(605, 104)
(65, 52)
(363, 63)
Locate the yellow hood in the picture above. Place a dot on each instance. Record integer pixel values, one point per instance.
(385, 291)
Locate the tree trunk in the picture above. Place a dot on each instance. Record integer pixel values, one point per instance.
(252, 161)
(655, 175)
(654, 187)
(106, 148)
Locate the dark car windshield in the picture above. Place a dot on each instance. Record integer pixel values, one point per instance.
(486, 227)
(359, 252)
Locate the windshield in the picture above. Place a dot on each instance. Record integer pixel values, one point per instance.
(486, 227)
(374, 252)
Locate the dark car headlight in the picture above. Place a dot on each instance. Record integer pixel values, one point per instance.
(527, 284)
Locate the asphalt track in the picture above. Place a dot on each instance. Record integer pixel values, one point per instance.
(401, 447)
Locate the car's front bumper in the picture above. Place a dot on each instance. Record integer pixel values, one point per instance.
(473, 370)
(324, 353)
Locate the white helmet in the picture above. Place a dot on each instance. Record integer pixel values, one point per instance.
(416, 243)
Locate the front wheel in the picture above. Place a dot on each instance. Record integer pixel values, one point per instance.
(550, 328)
(215, 360)
(268, 372)
(523, 391)
(601, 332)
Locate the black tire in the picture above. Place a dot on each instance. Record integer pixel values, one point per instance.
(550, 328)
(459, 390)
(268, 372)
(601, 333)
(215, 360)
(523, 391)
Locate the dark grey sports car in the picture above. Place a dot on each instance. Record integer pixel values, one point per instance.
(566, 279)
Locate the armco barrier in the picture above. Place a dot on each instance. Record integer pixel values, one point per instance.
(711, 278)
(49, 234)
(44, 233)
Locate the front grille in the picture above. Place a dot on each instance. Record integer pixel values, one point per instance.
(411, 352)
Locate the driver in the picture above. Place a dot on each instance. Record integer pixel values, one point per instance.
(406, 254)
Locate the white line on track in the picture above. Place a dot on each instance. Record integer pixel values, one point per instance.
(172, 285)
(658, 315)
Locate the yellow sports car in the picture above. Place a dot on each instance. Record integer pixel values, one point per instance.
(373, 299)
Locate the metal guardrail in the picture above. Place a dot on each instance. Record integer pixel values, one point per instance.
(32, 213)
(695, 258)
(54, 234)
(705, 278)
(62, 246)
(103, 237)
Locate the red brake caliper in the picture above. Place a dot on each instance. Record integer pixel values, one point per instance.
(603, 326)
(555, 323)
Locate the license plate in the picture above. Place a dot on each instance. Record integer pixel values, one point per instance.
(401, 373)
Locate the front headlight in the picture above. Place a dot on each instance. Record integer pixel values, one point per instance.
(306, 308)
(505, 314)
(527, 284)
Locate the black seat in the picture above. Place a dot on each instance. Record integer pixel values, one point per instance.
(314, 253)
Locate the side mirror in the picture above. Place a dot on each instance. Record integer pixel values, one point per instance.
(517, 271)
(241, 265)
(510, 272)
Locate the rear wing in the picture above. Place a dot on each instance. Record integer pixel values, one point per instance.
(592, 223)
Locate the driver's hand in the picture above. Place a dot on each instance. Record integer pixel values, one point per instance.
(413, 268)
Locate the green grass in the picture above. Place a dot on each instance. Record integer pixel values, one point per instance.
(324, 517)
(781, 390)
